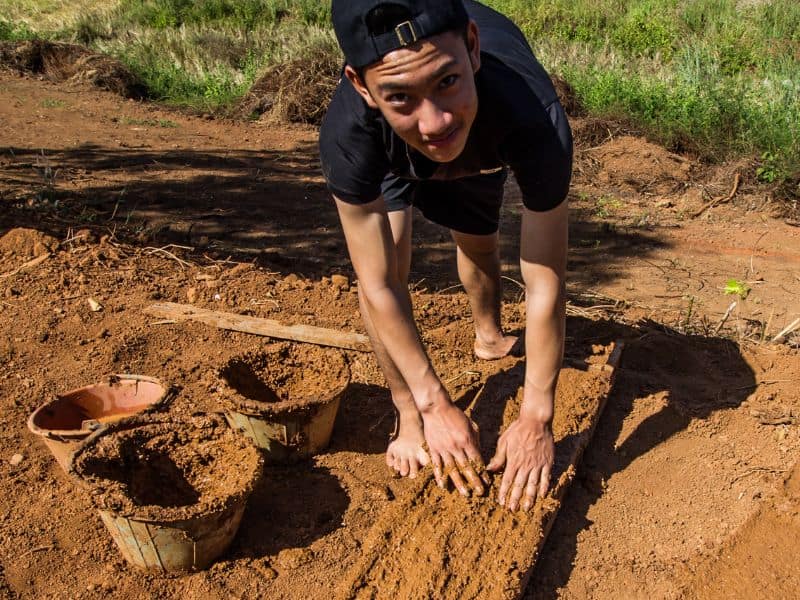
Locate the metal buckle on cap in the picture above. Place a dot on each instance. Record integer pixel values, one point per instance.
(405, 33)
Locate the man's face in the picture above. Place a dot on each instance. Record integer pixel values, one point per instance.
(426, 92)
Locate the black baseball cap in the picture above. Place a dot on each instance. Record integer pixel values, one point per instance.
(362, 48)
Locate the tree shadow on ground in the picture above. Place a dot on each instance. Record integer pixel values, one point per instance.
(269, 207)
(700, 376)
(291, 507)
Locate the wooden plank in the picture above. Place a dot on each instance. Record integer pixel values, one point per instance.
(432, 543)
(258, 326)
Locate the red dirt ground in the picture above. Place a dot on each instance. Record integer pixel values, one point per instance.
(681, 493)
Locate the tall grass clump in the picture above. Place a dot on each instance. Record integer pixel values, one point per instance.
(719, 76)
(15, 32)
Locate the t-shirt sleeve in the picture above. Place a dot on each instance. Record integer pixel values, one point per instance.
(540, 156)
(352, 153)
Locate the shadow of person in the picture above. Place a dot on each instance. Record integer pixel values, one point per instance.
(695, 375)
(365, 420)
(290, 507)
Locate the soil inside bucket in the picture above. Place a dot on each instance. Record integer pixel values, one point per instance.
(168, 471)
(284, 376)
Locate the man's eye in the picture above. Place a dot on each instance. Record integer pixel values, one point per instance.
(398, 98)
(448, 81)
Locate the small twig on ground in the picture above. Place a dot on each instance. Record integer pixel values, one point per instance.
(382, 418)
(764, 382)
(447, 289)
(720, 199)
(28, 265)
(415, 286)
(37, 549)
(460, 375)
(522, 287)
(164, 322)
(752, 254)
(755, 470)
(255, 302)
(725, 317)
(791, 327)
(164, 252)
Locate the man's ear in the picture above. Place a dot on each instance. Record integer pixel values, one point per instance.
(474, 46)
(360, 86)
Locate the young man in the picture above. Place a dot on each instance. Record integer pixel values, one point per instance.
(438, 99)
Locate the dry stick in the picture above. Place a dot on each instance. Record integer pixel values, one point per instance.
(28, 265)
(257, 326)
(755, 470)
(725, 317)
(786, 331)
(165, 252)
(32, 550)
(720, 199)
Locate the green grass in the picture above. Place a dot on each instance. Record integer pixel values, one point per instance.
(720, 77)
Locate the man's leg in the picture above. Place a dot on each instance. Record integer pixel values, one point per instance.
(406, 453)
(478, 259)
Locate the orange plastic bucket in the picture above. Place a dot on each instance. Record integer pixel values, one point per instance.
(65, 422)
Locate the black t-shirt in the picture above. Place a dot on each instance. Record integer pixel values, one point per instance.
(519, 125)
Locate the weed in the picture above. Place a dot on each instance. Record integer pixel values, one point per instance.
(769, 171)
(606, 205)
(52, 103)
(739, 288)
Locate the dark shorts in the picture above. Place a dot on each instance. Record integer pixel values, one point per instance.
(468, 205)
(472, 204)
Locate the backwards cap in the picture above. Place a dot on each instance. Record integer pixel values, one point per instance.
(362, 48)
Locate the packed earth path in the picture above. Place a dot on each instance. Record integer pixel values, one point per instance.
(688, 488)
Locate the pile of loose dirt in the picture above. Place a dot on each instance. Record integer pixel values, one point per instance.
(26, 243)
(636, 164)
(284, 378)
(59, 62)
(168, 470)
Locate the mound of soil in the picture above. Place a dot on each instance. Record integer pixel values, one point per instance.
(21, 242)
(284, 378)
(169, 470)
(634, 163)
(59, 62)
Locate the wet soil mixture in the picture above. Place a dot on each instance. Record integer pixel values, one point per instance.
(127, 204)
(283, 378)
(168, 471)
(419, 546)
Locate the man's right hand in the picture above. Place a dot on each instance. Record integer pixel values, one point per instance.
(453, 447)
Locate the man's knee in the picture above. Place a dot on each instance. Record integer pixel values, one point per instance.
(476, 245)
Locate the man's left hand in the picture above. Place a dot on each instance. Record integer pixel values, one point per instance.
(527, 450)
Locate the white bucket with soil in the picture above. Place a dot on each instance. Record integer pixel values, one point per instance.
(285, 398)
(171, 493)
(64, 422)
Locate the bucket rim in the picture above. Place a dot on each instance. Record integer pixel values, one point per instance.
(167, 392)
(255, 408)
(230, 501)
(233, 400)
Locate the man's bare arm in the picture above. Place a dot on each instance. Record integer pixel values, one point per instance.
(451, 440)
(527, 448)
